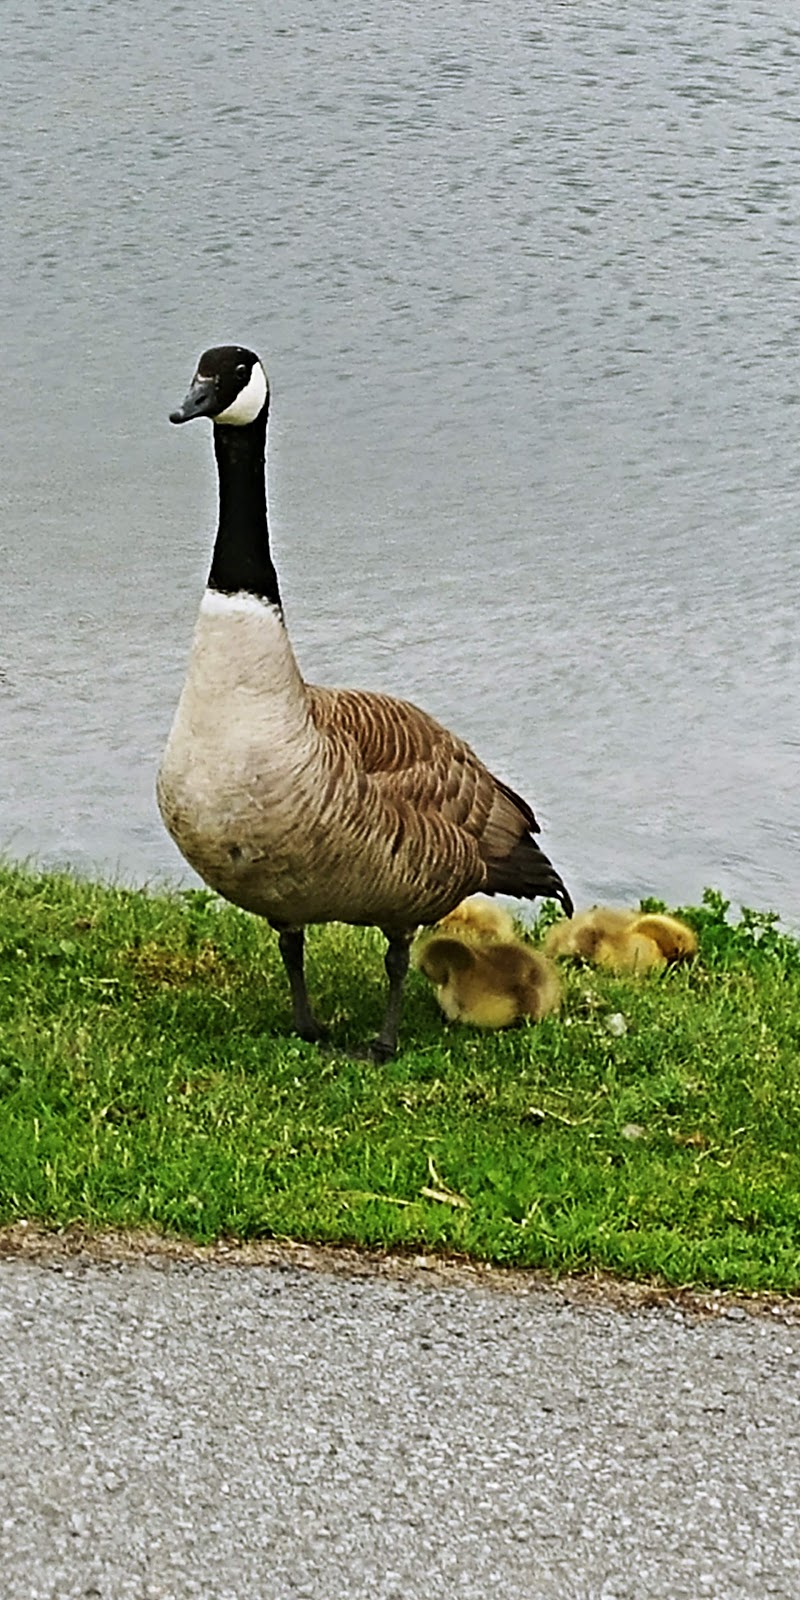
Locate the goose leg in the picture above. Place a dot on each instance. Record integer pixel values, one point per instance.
(290, 944)
(396, 963)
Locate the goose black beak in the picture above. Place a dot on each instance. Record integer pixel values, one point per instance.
(201, 401)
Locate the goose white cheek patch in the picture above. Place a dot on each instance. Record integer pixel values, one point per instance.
(216, 604)
(249, 402)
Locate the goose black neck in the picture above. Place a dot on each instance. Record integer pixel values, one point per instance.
(242, 563)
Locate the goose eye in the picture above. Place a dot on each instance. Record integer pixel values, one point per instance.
(241, 370)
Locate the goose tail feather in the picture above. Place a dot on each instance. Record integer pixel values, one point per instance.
(527, 873)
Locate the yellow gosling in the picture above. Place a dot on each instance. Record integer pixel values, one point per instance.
(490, 986)
(622, 941)
(675, 940)
(478, 920)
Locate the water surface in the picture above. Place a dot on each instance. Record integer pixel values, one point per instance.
(527, 292)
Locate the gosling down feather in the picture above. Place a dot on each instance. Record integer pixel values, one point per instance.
(624, 941)
(482, 973)
(306, 804)
(478, 921)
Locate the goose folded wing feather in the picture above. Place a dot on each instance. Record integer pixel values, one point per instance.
(414, 759)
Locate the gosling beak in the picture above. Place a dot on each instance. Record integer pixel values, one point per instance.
(201, 401)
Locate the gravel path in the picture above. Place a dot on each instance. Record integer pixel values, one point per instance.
(173, 1430)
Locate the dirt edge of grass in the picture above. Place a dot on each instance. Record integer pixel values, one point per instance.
(76, 1245)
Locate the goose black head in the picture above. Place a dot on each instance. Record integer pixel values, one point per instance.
(230, 386)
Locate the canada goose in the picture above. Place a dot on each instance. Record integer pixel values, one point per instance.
(304, 804)
(489, 983)
(624, 941)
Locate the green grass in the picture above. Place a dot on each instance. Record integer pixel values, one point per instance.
(148, 1078)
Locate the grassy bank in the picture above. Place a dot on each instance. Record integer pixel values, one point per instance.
(147, 1077)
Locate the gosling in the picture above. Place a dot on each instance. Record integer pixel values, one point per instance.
(482, 973)
(622, 941)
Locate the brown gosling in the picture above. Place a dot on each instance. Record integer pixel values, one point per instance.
(622, 941)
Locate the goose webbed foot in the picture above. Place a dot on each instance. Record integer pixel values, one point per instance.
(291, 945)
(311, 1031)
(381, 1050)
(376, 1053)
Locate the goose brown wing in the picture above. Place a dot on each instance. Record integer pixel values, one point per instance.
(426, 772)
(414, 759)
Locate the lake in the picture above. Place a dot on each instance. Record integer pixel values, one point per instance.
(527, 291)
